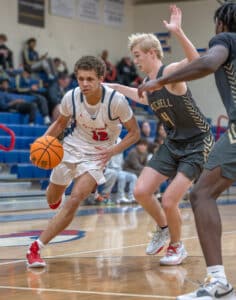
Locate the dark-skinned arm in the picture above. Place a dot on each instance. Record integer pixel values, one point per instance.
(201, 67)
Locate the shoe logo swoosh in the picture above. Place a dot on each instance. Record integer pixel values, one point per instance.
(217, 295)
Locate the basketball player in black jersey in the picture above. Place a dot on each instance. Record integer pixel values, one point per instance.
(220, 170)
(186, 147)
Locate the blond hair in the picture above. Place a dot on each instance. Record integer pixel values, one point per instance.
(146, 41)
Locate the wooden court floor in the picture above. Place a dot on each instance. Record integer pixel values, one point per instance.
(101, 256)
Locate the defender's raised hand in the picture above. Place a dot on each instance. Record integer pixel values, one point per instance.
(175, 22)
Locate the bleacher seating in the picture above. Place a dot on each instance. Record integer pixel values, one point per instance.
(18, 159)
(13, 96)
(15, 156)
(28, 171)
(15, 118)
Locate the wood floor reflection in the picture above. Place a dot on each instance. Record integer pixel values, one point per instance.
(107, 260)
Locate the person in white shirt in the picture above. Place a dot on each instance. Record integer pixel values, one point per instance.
(96, 113)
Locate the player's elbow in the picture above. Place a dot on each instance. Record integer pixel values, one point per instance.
(210, 68)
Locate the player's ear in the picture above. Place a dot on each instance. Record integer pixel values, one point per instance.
(101, 79)
(219, 26)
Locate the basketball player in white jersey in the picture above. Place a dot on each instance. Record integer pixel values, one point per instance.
(97, 114)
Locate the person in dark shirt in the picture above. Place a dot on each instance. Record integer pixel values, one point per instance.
(182, 155)
(6, 55)
(220, 170)
(31, 59)
(126, 72)
(136, 159)
(56, 91)
(8, 103)
(111, 71)
(25, 83)
(60, 66)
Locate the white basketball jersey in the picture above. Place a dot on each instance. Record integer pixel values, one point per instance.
(101, 128)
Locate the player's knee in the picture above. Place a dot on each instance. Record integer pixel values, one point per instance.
(168, 203)
(194, 197)
(140, 193)
(72, 204)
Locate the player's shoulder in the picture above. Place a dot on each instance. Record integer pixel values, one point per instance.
(111, 92)
(69, 93)
(223, 38)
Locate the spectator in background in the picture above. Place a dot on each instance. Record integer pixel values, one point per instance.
(26, 84)
(126, 72)
(152, 148)
(60, 66)
(6, 55)
(160, 133)
(73, 82)
(31, 59)
(146, 132)
(111, 72)
(4, 75)
(7, 103)
(137, 158)
(123, 177)
(56, 91)
(103, 192)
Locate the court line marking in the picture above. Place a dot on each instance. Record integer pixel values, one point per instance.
(102, 250)
(119, 248)
(12, 262)
(86, 292)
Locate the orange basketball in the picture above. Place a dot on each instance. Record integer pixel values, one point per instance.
(46, 152)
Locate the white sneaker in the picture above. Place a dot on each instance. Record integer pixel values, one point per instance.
(124, 200)
(132, 199)
(174, 255)
(158, 241)
(211, 289)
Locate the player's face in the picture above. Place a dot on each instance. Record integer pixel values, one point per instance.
(141, 59)
(89, 82)
(218, 26)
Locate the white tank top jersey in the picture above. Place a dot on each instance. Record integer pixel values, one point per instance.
(99, 128)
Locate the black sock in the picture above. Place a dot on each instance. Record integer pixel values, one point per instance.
(164, 227)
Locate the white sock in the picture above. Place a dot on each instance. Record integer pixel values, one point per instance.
(47, 120)
(218, 272)
(41, 244)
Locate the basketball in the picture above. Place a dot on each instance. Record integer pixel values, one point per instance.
(46, 152)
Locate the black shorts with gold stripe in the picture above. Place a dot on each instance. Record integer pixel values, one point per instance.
(223, 154)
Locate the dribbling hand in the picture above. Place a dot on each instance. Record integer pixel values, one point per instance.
(103, 155)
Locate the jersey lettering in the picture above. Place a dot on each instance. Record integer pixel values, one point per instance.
(100, 135)
(166, 118)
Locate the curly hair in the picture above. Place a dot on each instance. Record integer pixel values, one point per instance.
(89, 63)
